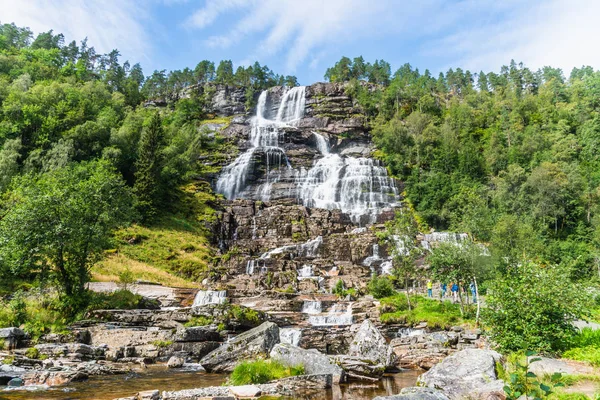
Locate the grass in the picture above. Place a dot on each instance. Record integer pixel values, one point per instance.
(585, 347)
(199, 321)
(161, 344)
(437, 314)
(261, 371)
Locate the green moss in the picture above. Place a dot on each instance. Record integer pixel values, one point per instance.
(32, 353)
(261, 371)
(161, 344)
(199, 321)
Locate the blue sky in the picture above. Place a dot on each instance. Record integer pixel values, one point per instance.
(305, 37)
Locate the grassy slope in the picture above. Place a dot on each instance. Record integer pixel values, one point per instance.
(176, 250)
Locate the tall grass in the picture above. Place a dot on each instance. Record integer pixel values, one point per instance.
(261, 371)
(437, 314)
(585, 347)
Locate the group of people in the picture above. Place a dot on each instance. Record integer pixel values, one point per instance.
(454, 288)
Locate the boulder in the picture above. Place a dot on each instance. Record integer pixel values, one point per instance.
(9, 372)
(11, 337)
(360, 368)
(467, 373)
(197, 334)
(416, 393)
(370, 344)
(250, 344)
(245, 391)
(550, 366)
(175, 362)
(314, 361)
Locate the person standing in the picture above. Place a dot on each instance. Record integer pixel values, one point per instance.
(454, 290)
(444, 288)
(473, 292)
(429, 288)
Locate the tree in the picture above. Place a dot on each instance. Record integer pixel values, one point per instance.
(402, 234)
(463, 263)
(57, 224)
(9, 162)
(148, 184)
(225, 72)
(533, 307)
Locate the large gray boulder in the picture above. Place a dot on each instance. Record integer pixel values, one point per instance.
(544, 365)
(467, 373)
(250, 344)
(360, 368)
(370, 344)
(416, 393)
(314, 362)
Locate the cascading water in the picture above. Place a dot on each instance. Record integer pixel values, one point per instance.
(336, 316)
(312, 307)
(204, 297)
(357, 186)
(290, 335)
(264, 137)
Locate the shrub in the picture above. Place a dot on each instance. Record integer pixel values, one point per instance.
(199, 321)
(261, 371)
(161, 344)
(590, 354)
(121, 299)
(532, 308)
(380, 287)
(33, 353)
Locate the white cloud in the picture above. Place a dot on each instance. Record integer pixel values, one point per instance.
(108, 24)
(483, 34)
(558, 33)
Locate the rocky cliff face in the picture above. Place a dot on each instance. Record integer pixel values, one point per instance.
(300, 192)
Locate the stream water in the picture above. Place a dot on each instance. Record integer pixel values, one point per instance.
(159, 377)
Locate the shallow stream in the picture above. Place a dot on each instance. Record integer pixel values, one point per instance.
(159, 377)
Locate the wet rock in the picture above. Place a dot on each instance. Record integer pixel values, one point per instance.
(467, 373)
(9, 372)
(416, 393)
(255, 342)
(314, 362)
(370, 344)
(53, 378)
(75, 351)
(360, 368)
(175, 362)
(15, 382)
(303, 384)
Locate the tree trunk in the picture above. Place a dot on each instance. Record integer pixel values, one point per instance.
(477, 299)
(460, 301)
(408, 296)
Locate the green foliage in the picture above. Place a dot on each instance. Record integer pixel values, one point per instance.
(121, 299)
(148, 186)
(590, 354)
(199, 321)
(521, 381)
(32, 353)
(380, 286)
(437, 314)
(161, 344)
(261, 371)
(532, 307)
(57, 224)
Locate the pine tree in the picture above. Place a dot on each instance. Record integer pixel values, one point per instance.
(148, 186)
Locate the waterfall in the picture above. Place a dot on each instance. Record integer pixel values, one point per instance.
(264, 137)
(357, 186)
(387, 268)
(369, 261)
(308, 250)
(322, 144)
(305, 272)
(336, 316)
(409, 332)
(311, 307)
(204, 297)
(250, 267)
(290, 335)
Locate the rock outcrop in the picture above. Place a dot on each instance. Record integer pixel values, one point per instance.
(370, 344)
(468, 373)
(250, 344)
(314, 362)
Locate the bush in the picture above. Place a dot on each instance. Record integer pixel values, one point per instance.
(532, 308)
(121, 299)
(261, 371)
(380, 287)
(198, 321)
(590, 354)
